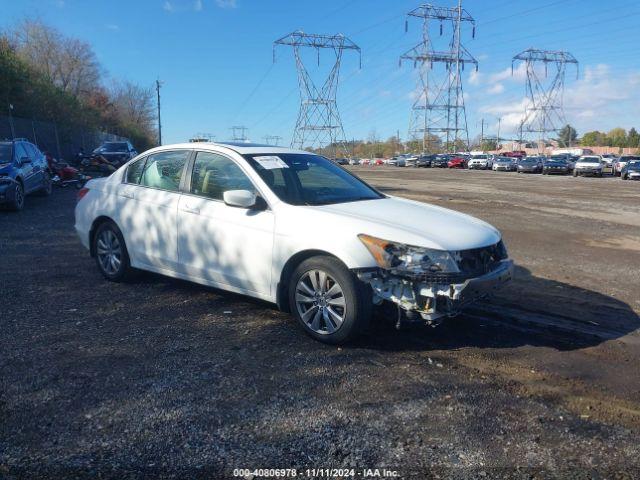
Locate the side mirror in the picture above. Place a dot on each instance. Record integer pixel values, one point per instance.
(25, 160)
(239, 198)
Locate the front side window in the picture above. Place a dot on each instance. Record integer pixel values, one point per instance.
(215, 174)
(305, 179)
(164, 170)
(134, 171)
(20, 152)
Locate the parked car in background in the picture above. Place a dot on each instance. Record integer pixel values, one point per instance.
(479, 161)
(620, 163)
(365, 161)
(425, 160)
(252, 205)
(440, 161)
(457, 162)
(354, 161)
(609, 159)
(588, 165)
(379, 161)
(116, 153)
(341, 161)
(530, 165)
(515, 154)
(505, 164)
(23, 170)
(397, 161)
(558, 166)
(411, 161)
(631, 171)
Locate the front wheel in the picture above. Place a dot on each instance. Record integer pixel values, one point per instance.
(17, 203)
(328, 301)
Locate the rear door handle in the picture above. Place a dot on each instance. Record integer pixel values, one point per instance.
(189, 209)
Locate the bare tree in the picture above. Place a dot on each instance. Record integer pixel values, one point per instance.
(68, 63)
(134, 105)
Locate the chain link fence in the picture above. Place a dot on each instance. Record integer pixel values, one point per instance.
(63, 141)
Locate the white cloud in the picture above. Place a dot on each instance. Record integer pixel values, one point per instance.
(519, 73)
(167, 6)
(112, 26)
(496, 89)
(197, 5)
(475, 77)
(59, 3)
(226, 3)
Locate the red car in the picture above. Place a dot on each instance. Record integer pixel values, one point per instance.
(457, 162)
(379, 161)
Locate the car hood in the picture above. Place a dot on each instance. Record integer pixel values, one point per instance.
(410, 222)
(587, 164)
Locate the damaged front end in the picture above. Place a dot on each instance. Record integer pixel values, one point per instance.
(431, 283)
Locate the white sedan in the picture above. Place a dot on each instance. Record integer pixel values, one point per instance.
(289, 227)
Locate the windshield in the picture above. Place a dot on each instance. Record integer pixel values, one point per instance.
(589, 160)
(529, 160)
(113, 147)
(300, 179)
(634, 163)
(5, 153)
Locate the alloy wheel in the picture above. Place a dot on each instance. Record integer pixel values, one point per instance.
(109, 252)
(320, 302)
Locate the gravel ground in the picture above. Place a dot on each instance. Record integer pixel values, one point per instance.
(159, 378)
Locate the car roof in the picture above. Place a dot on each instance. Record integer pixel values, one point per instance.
(241, 148)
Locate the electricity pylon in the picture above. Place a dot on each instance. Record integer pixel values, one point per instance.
(319, 122)
(272, 140)
(543, 114)
(438, 114)
(239, 133)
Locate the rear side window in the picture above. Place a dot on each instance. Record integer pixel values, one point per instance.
(5, 153)
(164, 170)
(215, 174)
(134, 171)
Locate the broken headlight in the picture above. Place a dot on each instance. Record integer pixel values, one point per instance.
(408, 259)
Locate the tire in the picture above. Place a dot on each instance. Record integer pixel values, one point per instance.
(17, 203)
(114, 263)
(47, 186)
(335, 318)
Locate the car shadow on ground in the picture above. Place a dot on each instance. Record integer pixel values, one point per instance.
(530, 311)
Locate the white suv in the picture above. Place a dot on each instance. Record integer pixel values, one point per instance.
(289, 227)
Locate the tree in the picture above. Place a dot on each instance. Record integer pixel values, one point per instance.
(68, 63)
(489, 144)
(567, 136)
(593, 139)
(617, 137)
(633, 138)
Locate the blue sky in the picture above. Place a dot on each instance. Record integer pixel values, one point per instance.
(215, 58)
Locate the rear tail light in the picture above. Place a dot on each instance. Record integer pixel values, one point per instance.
(82, 192)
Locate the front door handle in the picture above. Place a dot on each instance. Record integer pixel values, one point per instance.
(188, 209)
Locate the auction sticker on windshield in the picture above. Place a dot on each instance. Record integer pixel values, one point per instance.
(271, 162)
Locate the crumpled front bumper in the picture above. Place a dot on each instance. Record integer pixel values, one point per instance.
(433, 300)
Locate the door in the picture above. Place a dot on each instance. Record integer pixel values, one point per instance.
(220, 243)
(26, 169)
(150, 206)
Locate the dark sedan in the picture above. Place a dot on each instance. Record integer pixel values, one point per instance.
(116, 153)
(631, 171)
(556, 167)
(530, 165)
(440, 161)
(425, 161)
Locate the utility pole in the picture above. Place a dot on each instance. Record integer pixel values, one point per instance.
(498, 140)
(319, 122)
(158, 85)
(481, 133)
(439, 111)
(13, 131)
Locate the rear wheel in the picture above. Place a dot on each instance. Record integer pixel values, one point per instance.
(111, 253)
(46, 188)
(328, 301)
